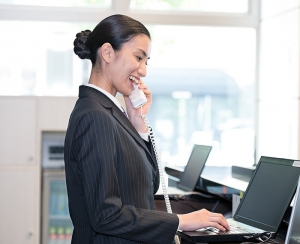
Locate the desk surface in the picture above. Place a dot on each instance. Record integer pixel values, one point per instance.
(222, 176)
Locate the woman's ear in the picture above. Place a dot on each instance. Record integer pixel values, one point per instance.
(106, 52)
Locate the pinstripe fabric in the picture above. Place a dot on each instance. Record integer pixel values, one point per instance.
(111, 177)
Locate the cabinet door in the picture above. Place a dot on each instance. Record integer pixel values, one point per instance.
(17, 130)
(17, 207)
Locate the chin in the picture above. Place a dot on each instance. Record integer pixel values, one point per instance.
(126, 93)
(129, 91)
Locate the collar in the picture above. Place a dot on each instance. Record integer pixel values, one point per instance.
(111, 97)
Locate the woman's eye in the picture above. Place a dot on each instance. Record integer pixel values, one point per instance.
(139, 58)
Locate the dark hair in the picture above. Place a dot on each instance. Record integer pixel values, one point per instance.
(115, 29)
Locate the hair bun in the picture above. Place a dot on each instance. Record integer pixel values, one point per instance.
(80, 47)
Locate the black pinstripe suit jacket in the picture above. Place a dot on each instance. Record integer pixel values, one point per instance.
(111, 177)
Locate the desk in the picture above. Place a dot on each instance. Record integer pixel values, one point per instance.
(222, 176)
(219, 175)
(221, 179)
(277, 240)
(214, 179)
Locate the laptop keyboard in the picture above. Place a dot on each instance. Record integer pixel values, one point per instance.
(233, 230)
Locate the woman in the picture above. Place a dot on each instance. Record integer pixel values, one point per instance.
(111, 171)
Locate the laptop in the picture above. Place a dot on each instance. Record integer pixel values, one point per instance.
(293, 232)
(187, 180)
(267, 197)
(191, 174)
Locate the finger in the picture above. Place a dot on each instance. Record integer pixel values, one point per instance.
(221, 228)
(146, 91)
(143, 86)
(140, 82)
(224, 224)
(217, 226)
(220, 219)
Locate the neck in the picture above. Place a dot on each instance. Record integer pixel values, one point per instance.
(99, 79)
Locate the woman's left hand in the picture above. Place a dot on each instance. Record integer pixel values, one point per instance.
(135, 115)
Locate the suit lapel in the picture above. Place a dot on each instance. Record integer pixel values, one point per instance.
(85, 91)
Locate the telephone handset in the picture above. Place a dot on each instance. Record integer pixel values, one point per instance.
(138, 99)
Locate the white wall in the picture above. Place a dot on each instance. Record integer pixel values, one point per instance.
(278, 84)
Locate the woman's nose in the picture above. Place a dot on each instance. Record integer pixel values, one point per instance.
(142, 70)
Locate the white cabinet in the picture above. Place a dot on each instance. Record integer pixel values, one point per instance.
(22, 121)
(18, 204)
(18, 131)
(54, 112)
(19, 171)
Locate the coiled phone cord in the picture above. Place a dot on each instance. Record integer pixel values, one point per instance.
(160, 170)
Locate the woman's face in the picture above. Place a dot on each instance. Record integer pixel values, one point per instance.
(129, 64)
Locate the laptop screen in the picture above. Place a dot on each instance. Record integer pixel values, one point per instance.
(269, 193)
(194, 167)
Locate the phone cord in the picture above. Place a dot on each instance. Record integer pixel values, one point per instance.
(160, 170)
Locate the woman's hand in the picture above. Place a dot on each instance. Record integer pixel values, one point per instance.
(135, 115)
(201, 219)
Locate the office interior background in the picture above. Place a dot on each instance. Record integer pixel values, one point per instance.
(223, 73)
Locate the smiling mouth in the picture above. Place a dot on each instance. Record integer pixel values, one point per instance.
(133, 79)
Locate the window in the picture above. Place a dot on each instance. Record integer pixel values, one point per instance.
(60, 3)
(225, 6)
(42, 63)
(202, 77)
(203, 80)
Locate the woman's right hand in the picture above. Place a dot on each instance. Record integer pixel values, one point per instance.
(201, 219)
(134, 115)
